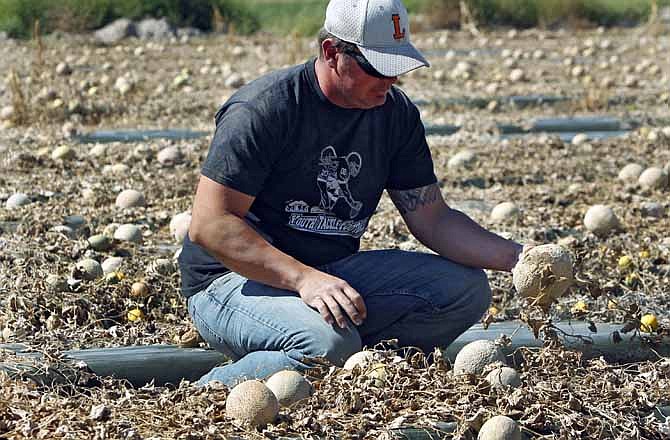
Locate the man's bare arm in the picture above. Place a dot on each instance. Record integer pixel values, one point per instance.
(218, 225)
(451, 233)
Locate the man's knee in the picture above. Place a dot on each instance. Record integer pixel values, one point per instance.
(334, 345)
(479, 292)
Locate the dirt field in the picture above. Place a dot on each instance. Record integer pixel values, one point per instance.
(619, 73)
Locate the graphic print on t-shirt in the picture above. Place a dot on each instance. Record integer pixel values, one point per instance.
(333, 182)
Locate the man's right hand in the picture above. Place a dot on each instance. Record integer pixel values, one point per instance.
(332, 297)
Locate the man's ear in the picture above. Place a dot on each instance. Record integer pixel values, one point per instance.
(329, 50)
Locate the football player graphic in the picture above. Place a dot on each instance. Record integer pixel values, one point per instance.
(333, 179)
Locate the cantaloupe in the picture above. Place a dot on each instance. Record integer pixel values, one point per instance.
(543, 273)
(252, 402)
(503, 377)
(500, 428)
(475, 356)
(601, 220)
(362, 358)
(289, 387)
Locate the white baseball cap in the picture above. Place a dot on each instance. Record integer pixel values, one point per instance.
(380, 29)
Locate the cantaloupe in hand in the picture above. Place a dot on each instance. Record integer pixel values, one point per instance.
(543, 273)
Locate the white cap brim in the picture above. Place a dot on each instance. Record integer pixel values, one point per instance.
(394, 60)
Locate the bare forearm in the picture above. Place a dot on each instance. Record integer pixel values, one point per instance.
(459, 238)
(240, 248)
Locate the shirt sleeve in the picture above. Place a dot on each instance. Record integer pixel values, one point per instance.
(244, 148)
(412, 163)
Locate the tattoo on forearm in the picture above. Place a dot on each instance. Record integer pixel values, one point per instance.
(411, 200)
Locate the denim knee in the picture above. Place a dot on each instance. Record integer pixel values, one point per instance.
(479, 293)
(336, 346)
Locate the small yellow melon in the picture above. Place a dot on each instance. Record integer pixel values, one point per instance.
(135, 315)
(649, 323)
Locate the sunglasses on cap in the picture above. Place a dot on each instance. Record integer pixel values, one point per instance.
(364, 64)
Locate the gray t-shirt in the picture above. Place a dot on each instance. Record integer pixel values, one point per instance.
(316, 170)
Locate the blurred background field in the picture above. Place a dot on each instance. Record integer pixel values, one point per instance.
(303, 17)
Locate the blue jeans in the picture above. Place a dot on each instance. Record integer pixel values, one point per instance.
(423, 300)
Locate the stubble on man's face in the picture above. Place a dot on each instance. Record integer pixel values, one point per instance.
(360, 90)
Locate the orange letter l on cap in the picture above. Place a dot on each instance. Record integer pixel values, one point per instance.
(397, 34)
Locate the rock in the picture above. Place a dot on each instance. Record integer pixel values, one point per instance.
(88, 194)
(128, 232)
(361, 358)
(653, 136)
(252, 402)
(580, 139)
(162, 266)
(630, 172)
(63, 69)
(500, 428)
(289, 387)
(111, 264)
(69, 130)
(652, 209)
(475, 356)
(653, 178)
(155, 29)
(234, 81)
(179, 226)
(116, 31)
(123, 85)
(188, 32)
(505, 212)
(63, 153)
(504, 377)
(56, 283)
(462, 159)
(630, 81)
(601, 220)
(181, 80)
(88, 269)
(99, 413)
(142, 151)
(110, 229)
(65, 230)
(607, 82)
(17, 200)
(7, 113)
(130, 198)
(75, 221)
(100, 242)
(543, 273)
(118, 169)
(517, 75)
(98, 150)
(169, 156)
